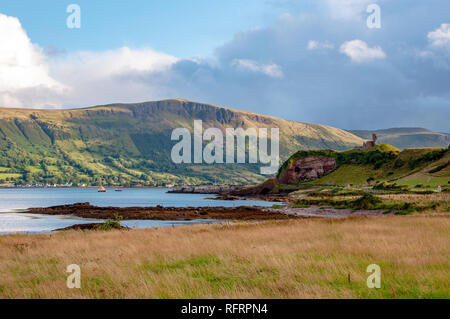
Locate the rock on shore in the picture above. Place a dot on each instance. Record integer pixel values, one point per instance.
(206, 189)
(85, 210)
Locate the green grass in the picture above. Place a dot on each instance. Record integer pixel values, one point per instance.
(382, 164)
(34, 169)
(369, 202)
(405, 212)
(4, 176)
(428, 182)
(195, 262)
(347, 173)
(385, 148)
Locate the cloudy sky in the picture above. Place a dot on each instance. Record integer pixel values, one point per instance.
(304, 60)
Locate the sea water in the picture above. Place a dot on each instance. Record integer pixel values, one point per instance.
(15, 201)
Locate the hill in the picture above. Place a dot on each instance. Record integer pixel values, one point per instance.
(129, 144)
(403, 138)
(380, 166)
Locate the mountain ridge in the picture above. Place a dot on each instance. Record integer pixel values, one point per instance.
(130, 143)
(407, 137)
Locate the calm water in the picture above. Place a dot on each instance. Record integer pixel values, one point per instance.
(14, 201)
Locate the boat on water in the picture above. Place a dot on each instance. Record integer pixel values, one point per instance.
(118, 190)
(102, 189)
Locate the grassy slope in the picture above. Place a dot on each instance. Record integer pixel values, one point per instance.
(407, 137)
(126, 143)
(426, 176)
(292, 259)
(426, 173)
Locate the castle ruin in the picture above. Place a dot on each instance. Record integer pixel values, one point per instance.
(369, 144)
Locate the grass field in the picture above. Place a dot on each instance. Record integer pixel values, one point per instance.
(289, 259)
(433, 183)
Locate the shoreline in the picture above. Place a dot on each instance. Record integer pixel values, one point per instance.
(240, 213)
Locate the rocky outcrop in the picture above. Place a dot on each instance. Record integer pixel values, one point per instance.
(206, 189)
(95, 226)
(260, 189)
(308, 168)
(85, 210)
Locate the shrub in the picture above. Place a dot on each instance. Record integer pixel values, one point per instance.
(398, 163)
(391, 187)
(428, 157)
(424, 192)
(111, 224)
(404, 212)
(378, 164)
(439, 168)
(367, 201)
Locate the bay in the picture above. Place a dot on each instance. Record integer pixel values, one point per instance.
(14, 202)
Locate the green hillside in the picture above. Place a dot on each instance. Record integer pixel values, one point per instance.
(129, 144)
(403, 138)
(384, 166)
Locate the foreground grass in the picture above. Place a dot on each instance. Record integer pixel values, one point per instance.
(288, 259)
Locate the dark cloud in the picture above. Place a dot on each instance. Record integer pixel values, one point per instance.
(409, 87)
(351, 77)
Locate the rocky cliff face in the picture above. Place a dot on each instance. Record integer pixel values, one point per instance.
(308, 168)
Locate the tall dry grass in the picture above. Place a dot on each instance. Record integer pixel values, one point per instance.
(288, 259)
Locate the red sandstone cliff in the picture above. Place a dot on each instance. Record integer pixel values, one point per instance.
(308, 168)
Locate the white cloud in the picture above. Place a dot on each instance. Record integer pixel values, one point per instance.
(29, 79)
(440, 38)
(113, 62)
(315, 45)
(272, 70)
(358, 51)
(22, 67)
(347, 9)
(110, 76)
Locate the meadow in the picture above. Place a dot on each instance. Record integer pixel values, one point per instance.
(307, 258)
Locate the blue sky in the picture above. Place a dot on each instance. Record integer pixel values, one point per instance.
(181, 28)
(310, 60)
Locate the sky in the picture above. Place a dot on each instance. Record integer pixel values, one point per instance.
(303, 60)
